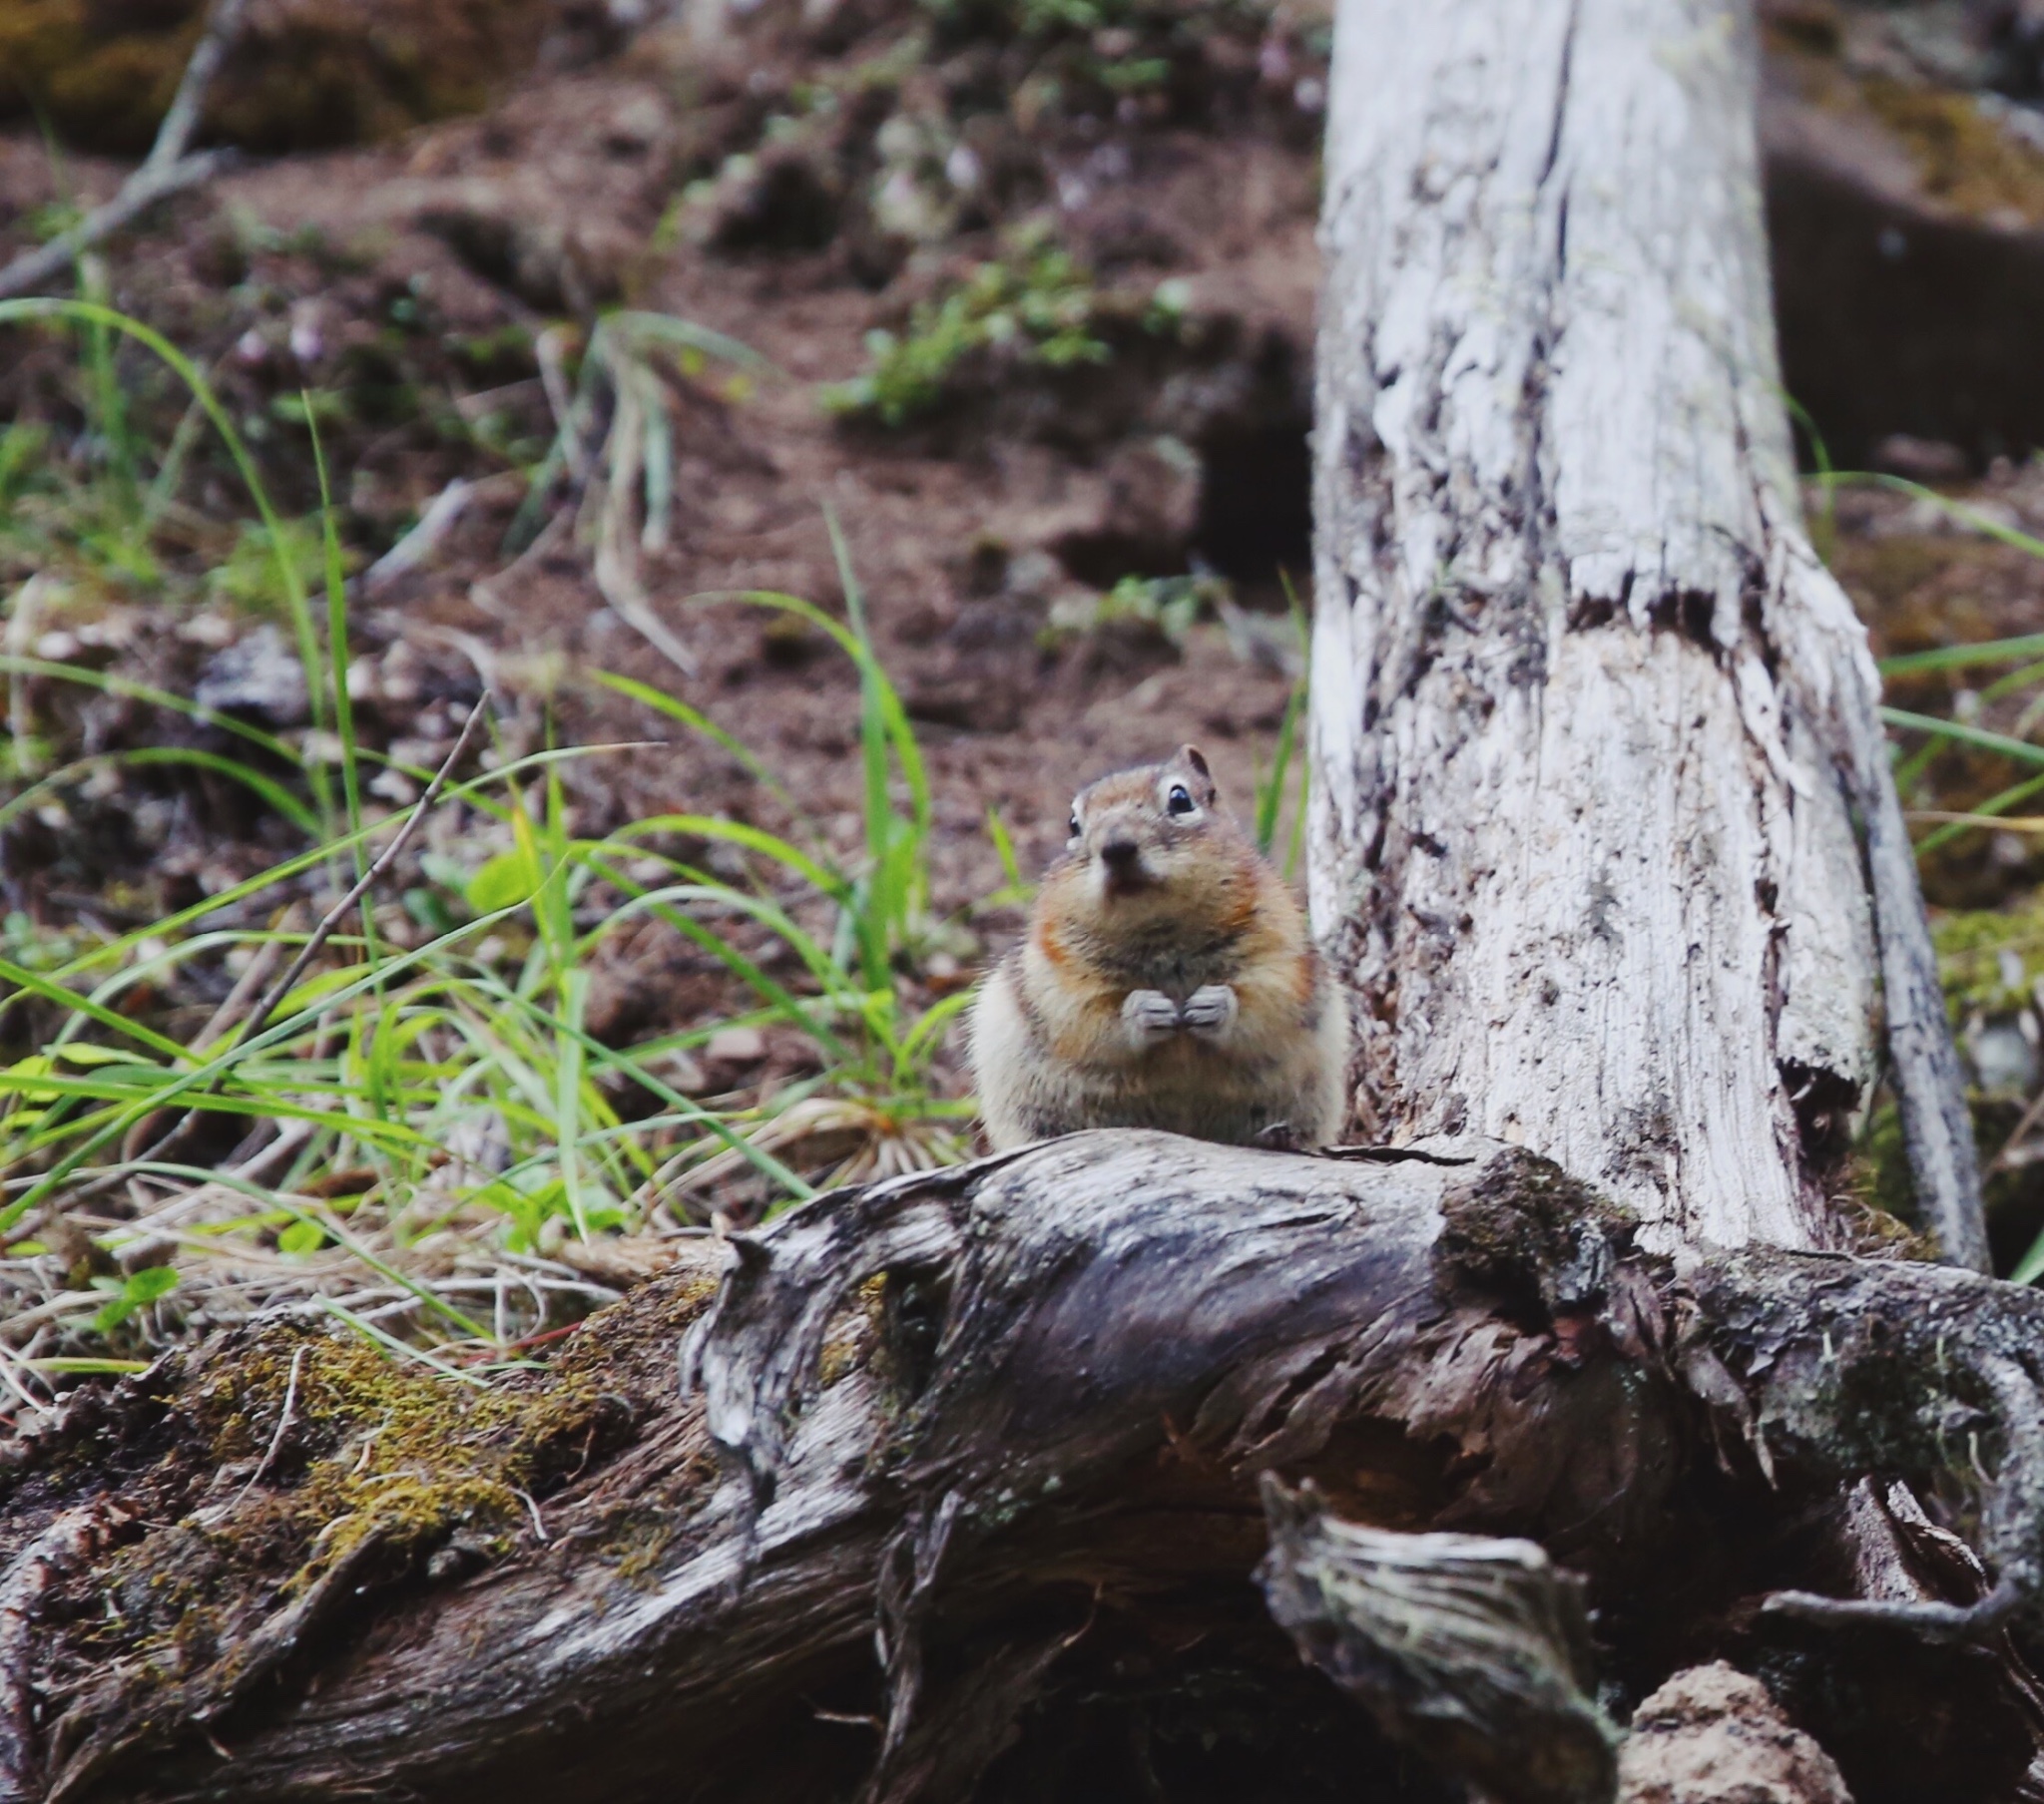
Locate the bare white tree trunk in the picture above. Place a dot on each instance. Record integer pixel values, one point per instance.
(1595, 755)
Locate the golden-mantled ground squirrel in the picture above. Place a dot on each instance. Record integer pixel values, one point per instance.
(1166, 981)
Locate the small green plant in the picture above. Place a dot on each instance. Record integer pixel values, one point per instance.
(1105, 48)
(1168, 607)
(458, 1080)
(1034, 308)
(455, 1078)
(1990, 960)
(127, 1295)
(426, 1102)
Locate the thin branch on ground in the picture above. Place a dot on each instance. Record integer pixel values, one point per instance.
(174, 134)
(283, 1423)
(138, 194)
(259, 1017)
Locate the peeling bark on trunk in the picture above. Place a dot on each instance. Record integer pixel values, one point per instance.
(1592, 726)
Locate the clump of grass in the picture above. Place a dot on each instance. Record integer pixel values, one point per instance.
(97, 516)
(1090, 54)
(1989, 958)
(1165, 607)
(1035, 307)
(423, 1124)
(413, 1132)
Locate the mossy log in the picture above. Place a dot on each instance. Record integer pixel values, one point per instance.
(952, 1488)
(306, 73)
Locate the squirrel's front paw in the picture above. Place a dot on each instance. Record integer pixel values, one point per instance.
(1149, 1015)
(1211, 1010)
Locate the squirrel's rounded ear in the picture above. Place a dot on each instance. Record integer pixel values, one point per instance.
(1196, 760)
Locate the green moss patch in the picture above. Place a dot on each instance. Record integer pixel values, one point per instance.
(104, 75)
(1964, 157)
(264, 1482)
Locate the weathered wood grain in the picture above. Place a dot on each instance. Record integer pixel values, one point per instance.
(957, 1448)
(1603, 825)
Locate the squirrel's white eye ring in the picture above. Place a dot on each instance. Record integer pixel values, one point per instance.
(1180, 800)
(1073, 823)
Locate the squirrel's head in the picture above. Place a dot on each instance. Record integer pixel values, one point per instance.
(1144, 840)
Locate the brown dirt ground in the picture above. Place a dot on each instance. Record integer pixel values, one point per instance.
(411, 275)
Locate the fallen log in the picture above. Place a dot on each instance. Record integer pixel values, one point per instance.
(963, 1489)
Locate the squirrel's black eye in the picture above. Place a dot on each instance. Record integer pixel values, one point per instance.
(1073, 823)
(1180, 800)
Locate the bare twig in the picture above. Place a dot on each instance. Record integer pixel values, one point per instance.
(173, 136)
(165, 172)
(249, 984)
(259, 1017)
(2012, 1148)
(284, 1422)
(138, 194)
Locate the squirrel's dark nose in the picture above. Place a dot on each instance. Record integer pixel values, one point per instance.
(1120, 855)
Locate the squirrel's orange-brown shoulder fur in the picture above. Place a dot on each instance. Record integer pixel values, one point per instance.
(1167, 980)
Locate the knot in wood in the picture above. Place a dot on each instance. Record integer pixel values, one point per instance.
(1519, 1228)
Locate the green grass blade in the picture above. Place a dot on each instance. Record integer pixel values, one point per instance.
(337, 657)
(826, 881)
(202, 390)
(2021, 750)
(2019, 650)
(1270, 791)
(403, 1349)
(112, 684)
(697, 722)
(2002, 803)
(46, 989)
(271, 793)
(761, 1159)
(237, 1053)
(1984, 524)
